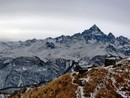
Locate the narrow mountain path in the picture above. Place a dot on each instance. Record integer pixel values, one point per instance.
(80, 89)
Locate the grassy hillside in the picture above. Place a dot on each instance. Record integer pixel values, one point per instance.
(106, 82)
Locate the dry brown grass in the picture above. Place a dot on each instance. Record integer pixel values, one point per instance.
(58, 88)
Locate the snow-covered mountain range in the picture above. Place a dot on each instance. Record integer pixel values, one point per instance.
(80, 46)
(34, 61)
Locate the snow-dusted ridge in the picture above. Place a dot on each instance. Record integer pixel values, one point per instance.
(79, 46)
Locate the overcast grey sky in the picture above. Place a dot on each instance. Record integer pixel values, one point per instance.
(25, 19)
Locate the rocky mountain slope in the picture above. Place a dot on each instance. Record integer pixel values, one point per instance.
(107, 82)
(30, 62)
(26, 71)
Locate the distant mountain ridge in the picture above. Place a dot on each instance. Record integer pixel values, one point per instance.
(33, 61)
(35, 47)
(94, 33)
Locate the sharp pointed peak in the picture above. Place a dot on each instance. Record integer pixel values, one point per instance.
(95, 28)
(110, 34)
(94, 25)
